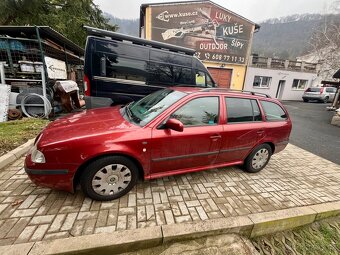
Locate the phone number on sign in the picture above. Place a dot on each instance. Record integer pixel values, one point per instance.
(219, 57)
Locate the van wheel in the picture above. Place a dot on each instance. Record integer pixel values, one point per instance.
(258, 158)
(109, 178)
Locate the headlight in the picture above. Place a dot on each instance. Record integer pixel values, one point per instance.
(37, 156)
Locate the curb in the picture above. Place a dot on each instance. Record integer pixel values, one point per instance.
(117, 242)
(15, 154)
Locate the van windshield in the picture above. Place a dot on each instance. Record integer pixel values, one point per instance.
(149, 107)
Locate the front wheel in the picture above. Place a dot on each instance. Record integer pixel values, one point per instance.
(258, 158)
(109, 178)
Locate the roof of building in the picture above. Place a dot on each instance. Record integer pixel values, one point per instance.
(337, 75)
(45, 32)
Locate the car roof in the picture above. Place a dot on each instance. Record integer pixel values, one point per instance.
(220, 91)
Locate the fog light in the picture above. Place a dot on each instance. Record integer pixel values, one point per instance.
(37, 156)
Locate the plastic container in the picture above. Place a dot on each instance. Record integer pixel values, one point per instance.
(38, 67)
(26, 66)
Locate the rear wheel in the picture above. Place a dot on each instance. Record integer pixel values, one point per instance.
(258, 158)
(109, 178)
(326, 100)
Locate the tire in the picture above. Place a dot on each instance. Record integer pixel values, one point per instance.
(249, 163)
(109, 178)
(305, 100)
(325, 101)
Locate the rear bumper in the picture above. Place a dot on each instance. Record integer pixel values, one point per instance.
(280, 146)
(316, 97)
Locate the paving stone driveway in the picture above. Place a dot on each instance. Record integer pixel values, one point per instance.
(293, 178)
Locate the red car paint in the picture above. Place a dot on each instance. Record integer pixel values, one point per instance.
(72, 141)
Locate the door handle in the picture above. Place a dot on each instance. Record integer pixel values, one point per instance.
(260, 132)
(215, 137)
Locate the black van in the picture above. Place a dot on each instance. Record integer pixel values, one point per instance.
(126, 68)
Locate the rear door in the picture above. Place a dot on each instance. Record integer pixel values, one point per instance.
(277, 125)
(242, 129)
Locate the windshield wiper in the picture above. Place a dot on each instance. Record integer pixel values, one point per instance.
(131, 115)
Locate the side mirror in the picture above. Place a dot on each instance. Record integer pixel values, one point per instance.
(174, 125)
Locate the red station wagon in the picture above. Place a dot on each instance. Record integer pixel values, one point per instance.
(173, 131)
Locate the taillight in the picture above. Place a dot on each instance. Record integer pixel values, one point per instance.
(321, 90)
(87, 86)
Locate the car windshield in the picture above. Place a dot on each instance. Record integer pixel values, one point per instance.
(149, 107)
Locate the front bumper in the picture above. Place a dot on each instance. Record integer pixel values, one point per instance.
(54, 176)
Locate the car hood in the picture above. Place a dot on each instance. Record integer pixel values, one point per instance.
(86, 124)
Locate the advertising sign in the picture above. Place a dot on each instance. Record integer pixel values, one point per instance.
(216, 34)
(56, 69)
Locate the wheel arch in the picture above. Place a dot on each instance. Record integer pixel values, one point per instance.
(272, 146)
(77, 175)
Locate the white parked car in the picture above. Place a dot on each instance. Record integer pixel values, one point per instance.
(323, 94)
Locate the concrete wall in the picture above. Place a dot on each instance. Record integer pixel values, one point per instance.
(288, 93)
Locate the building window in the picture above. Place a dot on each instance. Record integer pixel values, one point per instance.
(299, 84)
(262, 81)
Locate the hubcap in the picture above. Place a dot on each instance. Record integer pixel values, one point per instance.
(260, 158)
(111, 179)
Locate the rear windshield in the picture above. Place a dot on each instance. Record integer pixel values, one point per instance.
(313, 90)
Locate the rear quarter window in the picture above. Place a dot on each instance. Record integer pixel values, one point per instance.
(273, 112)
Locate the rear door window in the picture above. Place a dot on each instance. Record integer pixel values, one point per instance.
(273, 112)
(242, 110)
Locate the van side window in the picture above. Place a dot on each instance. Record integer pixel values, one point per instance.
(200, 78)
(161, 74)
(273, 111)
(182, 75)
(168, 74)
(125, 68)
(210, 82)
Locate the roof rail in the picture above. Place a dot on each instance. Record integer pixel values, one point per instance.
(136, 40)
(235, 90)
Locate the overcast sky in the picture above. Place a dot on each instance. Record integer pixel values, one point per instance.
(255, 10)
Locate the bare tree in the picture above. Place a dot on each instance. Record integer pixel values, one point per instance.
(325, 43)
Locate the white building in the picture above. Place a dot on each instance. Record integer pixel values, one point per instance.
(282, 79)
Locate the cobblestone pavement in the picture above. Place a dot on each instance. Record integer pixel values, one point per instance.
(293, 178)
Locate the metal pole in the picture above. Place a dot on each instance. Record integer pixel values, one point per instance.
(2, 73)
(43, 82)
(42, 53)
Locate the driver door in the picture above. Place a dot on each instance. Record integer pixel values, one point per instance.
(199, 143)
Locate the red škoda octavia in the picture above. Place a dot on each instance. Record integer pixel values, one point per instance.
(173, 131)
